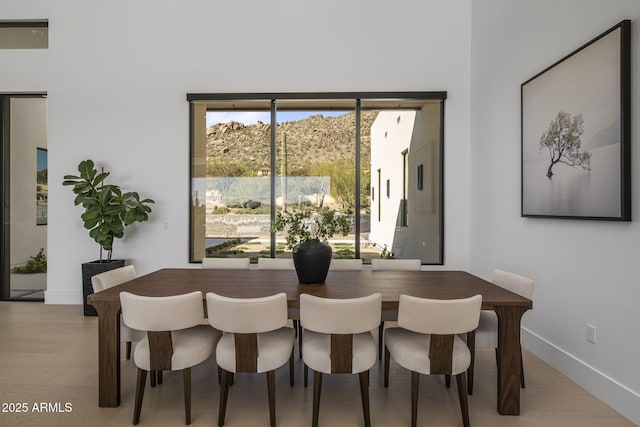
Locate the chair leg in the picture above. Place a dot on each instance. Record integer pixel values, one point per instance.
(142, 379)
(300, 341)
(224, 394)
(415, 386)
(521, 371)
(317, 388)
(471, 343)
(159, 377)
(291, 368)
(152, 378)
(295, 327)
(186, 377)
(387, 357)
(380, 333)
(462, 395)
(364, 391)
(447, 381)
(271, 391)
(306, 374)
(128, 351)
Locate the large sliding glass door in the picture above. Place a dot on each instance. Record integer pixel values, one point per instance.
(24, 196)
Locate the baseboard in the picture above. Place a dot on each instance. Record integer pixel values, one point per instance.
(610, 391)
(63, 297)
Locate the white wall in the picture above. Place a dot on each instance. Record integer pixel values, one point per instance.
(117, 74)
(586, 272)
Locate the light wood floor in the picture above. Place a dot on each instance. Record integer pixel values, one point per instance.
(48, 354)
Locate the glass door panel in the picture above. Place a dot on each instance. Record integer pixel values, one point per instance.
(25, 197)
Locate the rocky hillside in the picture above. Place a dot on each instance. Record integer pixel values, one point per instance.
(316, 139)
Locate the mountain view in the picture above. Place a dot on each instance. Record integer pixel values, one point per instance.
(236, 149)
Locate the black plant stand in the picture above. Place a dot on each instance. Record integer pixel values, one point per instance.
(90, 269)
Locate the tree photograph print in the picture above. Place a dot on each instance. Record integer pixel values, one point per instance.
(575, 133)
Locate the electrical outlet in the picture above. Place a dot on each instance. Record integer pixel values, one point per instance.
(591, 333)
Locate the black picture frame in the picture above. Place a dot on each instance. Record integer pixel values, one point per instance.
(576, 133)
(420, 175)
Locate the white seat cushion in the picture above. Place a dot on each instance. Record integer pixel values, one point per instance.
(190, 347)
(487, 332)
(316, 351)
(411, 351)
(274, 350)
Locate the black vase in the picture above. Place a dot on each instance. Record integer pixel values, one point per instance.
(312, 262)
(90, 269)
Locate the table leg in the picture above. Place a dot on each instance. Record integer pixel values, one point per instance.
(509, 357)
(108, 353)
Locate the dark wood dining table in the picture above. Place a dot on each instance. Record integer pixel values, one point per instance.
(508, 306)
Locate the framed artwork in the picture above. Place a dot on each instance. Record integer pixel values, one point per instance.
(576, 130)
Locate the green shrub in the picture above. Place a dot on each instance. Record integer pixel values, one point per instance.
(35, 264)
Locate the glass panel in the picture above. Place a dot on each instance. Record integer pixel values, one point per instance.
(25, 197)
(405, 152)
(24, 35)
(233, 197)
(315, 167)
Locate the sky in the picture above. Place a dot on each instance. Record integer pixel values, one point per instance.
(42, 159)
(251, 117)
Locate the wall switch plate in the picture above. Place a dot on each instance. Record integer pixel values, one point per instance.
(591, 333)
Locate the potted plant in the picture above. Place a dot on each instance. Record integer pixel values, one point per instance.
(107, 211)
(307, 235)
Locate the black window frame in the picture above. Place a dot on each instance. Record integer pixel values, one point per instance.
(405, 100)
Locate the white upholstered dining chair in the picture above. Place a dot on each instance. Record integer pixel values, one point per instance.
(176, 339)
(345, 264)
(486, 335)
(276, 264)
(111, 278)
(337, 339)
(293, 313)
(427, 342)
(226, 263)
(255, 339)
(389, 316)
(395, 264)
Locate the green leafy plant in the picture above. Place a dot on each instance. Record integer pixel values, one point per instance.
(386, 253)
(304, 225)
(107, 210)
(35, 264)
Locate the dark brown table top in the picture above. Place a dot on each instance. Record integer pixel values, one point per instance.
(339, 284)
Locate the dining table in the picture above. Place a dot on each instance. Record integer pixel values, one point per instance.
(435, 284)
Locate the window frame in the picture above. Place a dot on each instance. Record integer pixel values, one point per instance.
(302, 101)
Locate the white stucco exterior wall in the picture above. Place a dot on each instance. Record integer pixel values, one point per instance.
(416, 133)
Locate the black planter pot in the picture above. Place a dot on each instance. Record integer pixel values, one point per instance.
(90, 269)
(312, 262)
